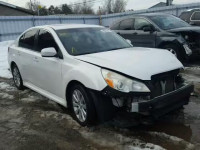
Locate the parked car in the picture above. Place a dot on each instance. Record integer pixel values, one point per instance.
(96, 72)
(160, 31)
(191, 16)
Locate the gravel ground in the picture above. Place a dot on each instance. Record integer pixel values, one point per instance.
(30, 121)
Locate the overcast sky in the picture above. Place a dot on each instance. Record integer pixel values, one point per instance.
(132, 4)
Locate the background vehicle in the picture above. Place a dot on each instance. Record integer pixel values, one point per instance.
(160, 31)
(96, 72)
(191, 16)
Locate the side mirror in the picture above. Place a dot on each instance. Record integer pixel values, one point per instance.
(48, 52)
(148, 29)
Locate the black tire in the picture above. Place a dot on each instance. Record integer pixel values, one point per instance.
(90, 118)
(175, 50)
(18, 82)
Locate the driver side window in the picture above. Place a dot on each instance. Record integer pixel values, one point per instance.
(140, 23)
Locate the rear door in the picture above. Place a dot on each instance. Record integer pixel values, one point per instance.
(48, 69)
(143, 38)
(195, 18)
(26, 51)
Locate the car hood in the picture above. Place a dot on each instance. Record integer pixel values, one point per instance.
(185, 29)
(140, 63)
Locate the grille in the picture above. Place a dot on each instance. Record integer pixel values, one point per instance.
(163, 83)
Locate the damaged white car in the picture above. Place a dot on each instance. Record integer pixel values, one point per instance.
(97, 73)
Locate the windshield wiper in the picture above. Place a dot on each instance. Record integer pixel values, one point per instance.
(101, 51)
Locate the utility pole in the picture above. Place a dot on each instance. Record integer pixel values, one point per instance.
(31, 5)
(100, 21)
(169, 2)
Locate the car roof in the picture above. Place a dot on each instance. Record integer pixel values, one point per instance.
(154, 14)
(70, 26)
(194, 9)
(140, 15)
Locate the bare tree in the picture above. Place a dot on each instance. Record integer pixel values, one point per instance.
(114, 6)
(119, 6)
(87, 7)
(33, 5)
(66, 9)
(82, 7)
(107, 6)
(76, 9)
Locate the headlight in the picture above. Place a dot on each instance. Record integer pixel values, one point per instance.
(123, 84)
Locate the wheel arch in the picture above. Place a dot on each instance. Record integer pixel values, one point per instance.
(68, 89)
(178, 45)
(162, 44)
(12, 65)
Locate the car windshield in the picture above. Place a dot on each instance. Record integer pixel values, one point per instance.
(167, 22)
(82, 41)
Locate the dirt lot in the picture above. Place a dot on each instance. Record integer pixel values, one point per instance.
(30, 121)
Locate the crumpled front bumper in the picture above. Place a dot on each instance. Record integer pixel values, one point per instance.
(165, 103)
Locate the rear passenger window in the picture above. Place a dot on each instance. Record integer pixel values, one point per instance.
(28, 40)
(140, 23)
(46, 40)
(184, 16)
(196, 16)
(115, 26)
(126, 24)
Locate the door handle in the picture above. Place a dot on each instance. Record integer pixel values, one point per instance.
(36, 59)
(135, 33)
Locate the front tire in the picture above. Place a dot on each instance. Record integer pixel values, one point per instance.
(82, 106)
(174, 49)
(17, 77)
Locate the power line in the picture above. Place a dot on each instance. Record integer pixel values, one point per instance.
(86, 2)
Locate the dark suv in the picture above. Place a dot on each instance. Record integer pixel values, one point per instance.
(191, 16)
(161, 31)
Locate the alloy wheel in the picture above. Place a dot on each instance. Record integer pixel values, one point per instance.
(172, 51)
(79, 105)
(16, 77)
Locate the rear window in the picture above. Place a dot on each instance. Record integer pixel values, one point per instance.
(27, 40)
(196, 15)
(115, 26)
(184, 16)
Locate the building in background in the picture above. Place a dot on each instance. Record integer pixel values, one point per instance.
(161, 4)
(12, 10)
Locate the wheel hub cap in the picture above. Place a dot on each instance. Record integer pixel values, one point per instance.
(172, 51)
(16, 76)
(79, 105)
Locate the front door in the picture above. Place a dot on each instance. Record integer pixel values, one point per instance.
(48, 69)
(142, 38)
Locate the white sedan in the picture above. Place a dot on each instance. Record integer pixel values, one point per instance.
(97, 73)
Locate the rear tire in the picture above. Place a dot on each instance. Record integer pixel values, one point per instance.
(82, 105)
(17, 77)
